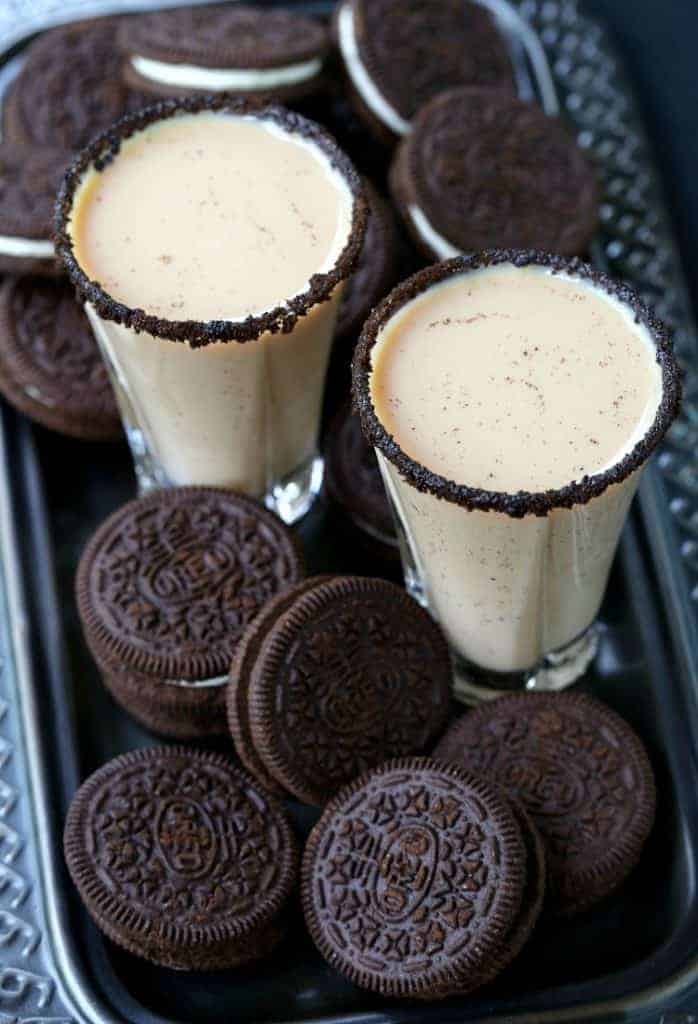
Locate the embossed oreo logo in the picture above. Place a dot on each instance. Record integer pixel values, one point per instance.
(405, 872)
(185, 838)
(549, 787)
(190, 572)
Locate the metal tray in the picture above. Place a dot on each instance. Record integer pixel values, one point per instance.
(636, 958)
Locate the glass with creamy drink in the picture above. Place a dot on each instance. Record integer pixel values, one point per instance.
(513, 399)
(211, 242)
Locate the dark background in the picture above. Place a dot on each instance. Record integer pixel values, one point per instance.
(659, 42)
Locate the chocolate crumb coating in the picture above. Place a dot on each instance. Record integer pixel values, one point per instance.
(522, 503)
(195, 333)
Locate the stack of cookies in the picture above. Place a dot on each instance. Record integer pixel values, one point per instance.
(425, 876)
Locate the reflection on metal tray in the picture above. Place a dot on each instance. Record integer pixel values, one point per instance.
(635, 957)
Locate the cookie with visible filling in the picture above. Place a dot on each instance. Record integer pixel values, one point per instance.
(51, 368)
(234, 48)
(399, 54)
(484, 170)
(30, 176)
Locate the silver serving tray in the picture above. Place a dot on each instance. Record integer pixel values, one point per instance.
(52, 967)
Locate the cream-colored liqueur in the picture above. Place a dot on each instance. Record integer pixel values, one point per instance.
(215, 216)
(509, 379)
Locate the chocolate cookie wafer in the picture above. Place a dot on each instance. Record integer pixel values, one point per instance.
(29, 179)
(413, 878)
(70, 87)
(166, 588)
(482, 169)
(336, 677)
(180, 859)
(581, 773)
(398, 54)
(244, 50)
(50, 366)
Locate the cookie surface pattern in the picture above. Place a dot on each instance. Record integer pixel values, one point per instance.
(412, 875)
(355, 673)
(173, 579)
(175, 851)
(580, 772)
(415, 49)
(489, 170)
(237, 36)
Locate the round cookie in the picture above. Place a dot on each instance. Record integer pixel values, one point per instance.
(180, 859)
(239, 49)
(348, 672)
(529, 912)
(398, 54)
(412, 878)
(69, 88)
(243, 663)
(482, 170)
(29, 181)
(354, 481)
(51, 368)
(166, 588)
(581, 773)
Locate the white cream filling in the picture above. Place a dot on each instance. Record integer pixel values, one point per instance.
(31, 247)
(191, 76)
(197, 684)
(436, 242)
(361, 80)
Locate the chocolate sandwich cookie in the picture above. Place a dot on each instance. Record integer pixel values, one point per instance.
(413, 878)
(398, 54)
(482, 169)
(165, 590)
(69, 88)
(50, 366)
(354, 481)
(180, 859)
(29, 181)
(581, 773)
(337, 677)
(243, 50)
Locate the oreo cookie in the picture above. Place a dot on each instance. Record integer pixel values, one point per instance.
(244, 50)
(165, 590)
(50, 366)
(29, 181)
(581, 773)
(355, 484)
(484, 170)
(399, 54)
(413, 879)
(69, 88)
(337, 676)
(180, 859)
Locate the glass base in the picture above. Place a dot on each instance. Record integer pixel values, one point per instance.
(558, 670)
(290, 499)
(294, 495)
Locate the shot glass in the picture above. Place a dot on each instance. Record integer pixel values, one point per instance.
(233, 402)
(516, 580)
